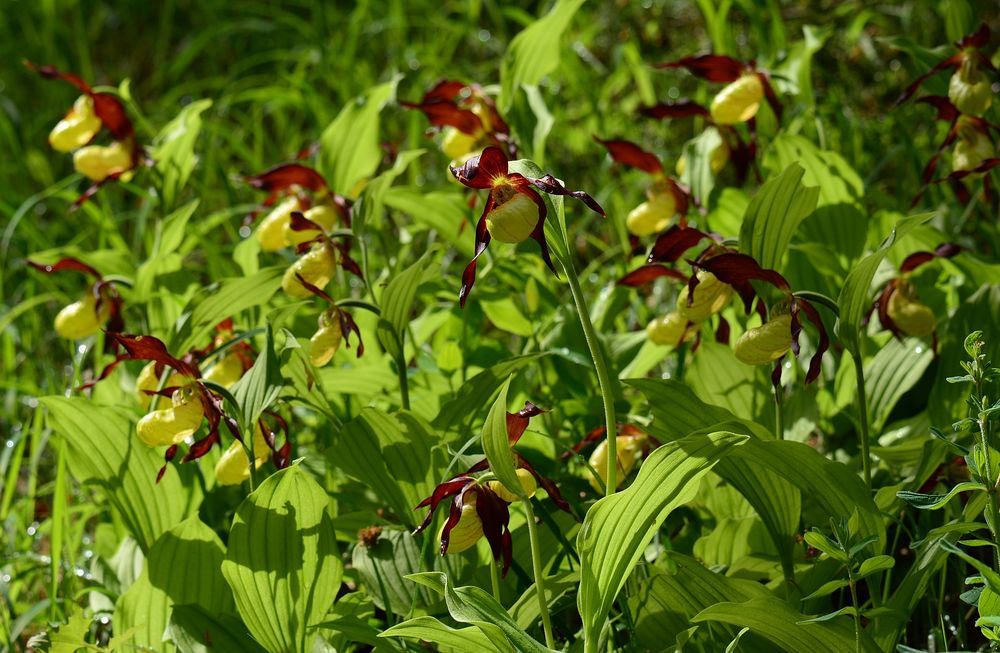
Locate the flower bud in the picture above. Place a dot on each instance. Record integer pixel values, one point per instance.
(82, 319)
(98, 162)
(316, 267)
(768, 342)
(652, 216)
(171, 425)
(971, 148)
(710, 297)
(469, 528)
(322, 214)
(628, 449)
(326, 341)
(226, 371)
(667, 330)
(969, 89)
(234, 466)
(739, 101)
(271, 232)
(147, 380)
(514, 217)
(77, 129)
(528, 484)
(910, 316)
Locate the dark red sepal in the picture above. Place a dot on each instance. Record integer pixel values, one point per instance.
(630, 154)
(648, 273)
(681, 109)
(738, 269)
(712, 67)
(68, 263)
(915, 260)
(816, 362)
(286, 175)
(672, 243)
(480, 171)
(518, 422)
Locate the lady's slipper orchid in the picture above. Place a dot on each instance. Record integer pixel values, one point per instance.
(291, 188)
(974, 152)
(172, 425)
(319, 259)
(233, 466)
(514, 210)
(91, 112)
(481, 509)
(898, 304)
(767, 343)
(665, 197)
(746, 88)
(668, 330)
(467, 117)
(969, 89)
(100, 305)
(633, 444)
(710, 297)
(335, 326)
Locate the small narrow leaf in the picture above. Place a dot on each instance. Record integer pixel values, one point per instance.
(429, 629)
(496, 445)
(936, 501)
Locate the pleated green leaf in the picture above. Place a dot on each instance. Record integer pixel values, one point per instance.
(260, 386)
(496, 444)
(773, 619)
(396, 303)
(349, 146)
(618, 527)
(857, 294)
(472, 605)
(384, 567)
(173, 150)
(392, 454)
(193, 630)
(896, 368)
(429, 629)
(282, 563)
(774, 214)
(229, 298)
(105, 452)
(534, 52)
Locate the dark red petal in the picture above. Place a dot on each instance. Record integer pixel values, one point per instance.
(445, 90)
(482, 240)
(518, 422)
(112, 113)
(286, 175)
(946, 111)
(647, 273)
(593, 436)
(915, 260)
(446, 489)
(816, 362)
(672, 243)
(722, 331)
(552, 186)
(201, 447)
(480, 171)
(538, 233)
(448, 114)
(495, 516)
(347, 325)
(546, 483)
(51, 72)
(148, 348)
(713, 67)
(770, 95)
(454, 515)
(985, 166)
(977, 39)
(776, 377)
(738, 269)
(681, 109)
(630, 154)
(951, 62)
(68, 263)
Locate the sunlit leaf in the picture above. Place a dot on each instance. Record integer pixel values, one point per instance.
(774, 214)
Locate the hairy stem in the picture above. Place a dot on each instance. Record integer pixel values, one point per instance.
(603, 376)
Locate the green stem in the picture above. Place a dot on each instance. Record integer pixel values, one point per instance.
(990, 483)
(536, 564)
(779, 413)
(603, 377)
(404, 383)
(495, 580)
(866, 460)
(857, 609)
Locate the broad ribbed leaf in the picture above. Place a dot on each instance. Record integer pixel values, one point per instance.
(470, 400)
(229, 299)
(260, 386)
(618, 527)
(391, 454)
(472, 605)
(718, 378)
(173, 150)
(525, 610)
(838, 220)
(496, 444)
(396, 304)
(384, 567)
(896, 368)
(349, 146)
(370, 209)
(774, 214)
(429, 629)
(534, 52)
(105, 452)
(664, 603)
(164, 256)
(773, 619)
(282, 563)
(192, 630)
(856, 296)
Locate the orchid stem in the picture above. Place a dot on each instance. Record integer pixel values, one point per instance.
(536, 564)
(495, 580)
(601, 367)
(866, 460)
(779, 414)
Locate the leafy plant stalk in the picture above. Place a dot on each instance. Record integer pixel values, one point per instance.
(603, 376)
(536, 565)
(779, 414)
(866, 459)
